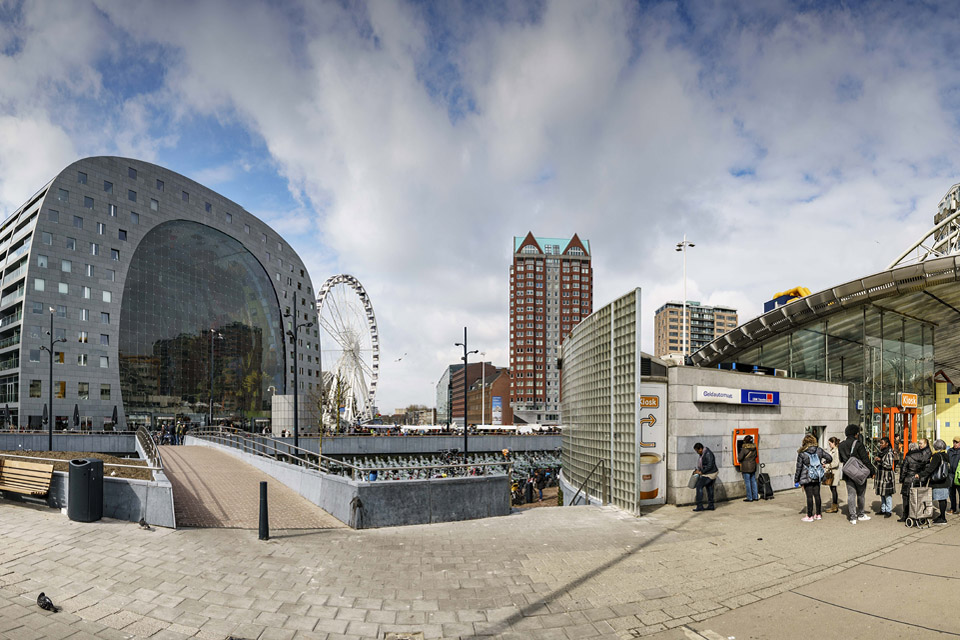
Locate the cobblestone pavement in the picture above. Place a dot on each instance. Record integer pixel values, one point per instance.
(227, 493)
(583, 572)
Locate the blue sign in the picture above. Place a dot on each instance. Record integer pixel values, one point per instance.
(750, 396)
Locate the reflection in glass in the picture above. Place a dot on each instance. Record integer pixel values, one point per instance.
(184, 280)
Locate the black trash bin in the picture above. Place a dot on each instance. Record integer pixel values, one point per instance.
(85, 496)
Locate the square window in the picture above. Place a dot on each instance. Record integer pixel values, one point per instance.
(85, 314)
(113, 210)
(108, 186)
(78, 222)
(35, 388)
(154, 205)
(105, 390)
(82, 337)
(38, 307)
(134, 217)
(94, 249)
(104, 362)
(114, 254)
(60, 389)
(83, 390)
(63, 195)
(105, 339)
(81, 177)
(61, 311)
(107, 296)
(87, 202)
(229, 218)
(263, 237)
(53, 216)
(104, 317)
(34, 355)
(131, 173)
(81, 359)
(71, 244)
(41, 261)
(101, 228)
(131, 195)
(122, 235)
(89, 270)
(39, 284)
(66, 266)
(46, 238)
(159, 185)
(185, 196)
(85, 293)
(111, 275)
(207, 207)
(63, 287)
(246, 228)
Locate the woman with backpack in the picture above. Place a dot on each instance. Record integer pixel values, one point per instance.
(937, 473)
(883, 481)
(810, 472)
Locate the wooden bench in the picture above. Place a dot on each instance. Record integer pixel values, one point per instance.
(28, 478)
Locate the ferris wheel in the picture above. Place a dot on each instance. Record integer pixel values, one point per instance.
(350, 351)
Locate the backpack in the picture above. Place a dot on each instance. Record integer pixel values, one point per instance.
(816, 472)
(942, 472)
(956, 476)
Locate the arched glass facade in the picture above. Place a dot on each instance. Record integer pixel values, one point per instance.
(185, 279)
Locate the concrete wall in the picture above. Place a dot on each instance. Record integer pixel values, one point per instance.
(381, 445)
(123, 499)
(98, 442)
(387, 503)
(803, 403)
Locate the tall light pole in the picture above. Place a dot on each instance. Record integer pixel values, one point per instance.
(483, 387)
(213, 334)
(682, 247)
(465, 354)
(292, 333)
(49, 350)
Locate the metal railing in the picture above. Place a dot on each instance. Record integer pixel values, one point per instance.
(9, 342)
(284, 452)
(600, 463)
(106, 464)
(9, 363)
(10, 319)
(10, 297)
(150, 448)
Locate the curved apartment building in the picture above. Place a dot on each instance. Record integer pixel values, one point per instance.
(163, 296)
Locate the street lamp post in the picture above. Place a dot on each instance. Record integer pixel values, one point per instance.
(682, 247)
(292, 333)
(49, 350)
(465, 354)
(213, 334)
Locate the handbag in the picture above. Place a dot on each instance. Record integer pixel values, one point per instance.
(942, 472)
(692, 482)
(828, 478)
(854, 469)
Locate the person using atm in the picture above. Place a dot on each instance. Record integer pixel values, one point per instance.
(748, 467)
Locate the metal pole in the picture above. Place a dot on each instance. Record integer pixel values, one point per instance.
(686, 333)
(464, 391)
(210, 408)
(264, 518)
(483, 389)
(50, 423)
(296, 364)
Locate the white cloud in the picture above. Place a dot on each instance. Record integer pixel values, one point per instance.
(419, 142)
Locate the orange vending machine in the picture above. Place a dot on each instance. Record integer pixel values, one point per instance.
(738, 436)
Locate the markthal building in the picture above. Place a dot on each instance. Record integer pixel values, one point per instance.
(887, 335)
(153, 296)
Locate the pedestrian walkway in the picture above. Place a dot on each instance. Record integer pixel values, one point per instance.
(745, 570)
(214, 489)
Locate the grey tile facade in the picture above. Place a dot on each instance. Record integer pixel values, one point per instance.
(94, 215)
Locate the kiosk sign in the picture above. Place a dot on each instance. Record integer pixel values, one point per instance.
(651, 444)
(907, 400)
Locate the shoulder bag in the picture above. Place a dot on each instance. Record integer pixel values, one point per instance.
(853, 469)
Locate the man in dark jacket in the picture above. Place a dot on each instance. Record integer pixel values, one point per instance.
(855, 492)
(748, 467)
(707, 471)
(953, 453)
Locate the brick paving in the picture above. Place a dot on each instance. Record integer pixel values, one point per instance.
(583, 572)
(214, 489)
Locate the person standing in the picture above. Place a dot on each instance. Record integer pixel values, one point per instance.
(941, 487)
(852, 447)
(706, 473)
(909, 476)
(924, 446)
(883, 481)
(953, 454)
(833, 474)
(748, 467)
(810, 472)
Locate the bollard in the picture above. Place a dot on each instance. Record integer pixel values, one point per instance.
(264, 520)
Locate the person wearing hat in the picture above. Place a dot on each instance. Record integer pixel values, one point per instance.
(748, 467)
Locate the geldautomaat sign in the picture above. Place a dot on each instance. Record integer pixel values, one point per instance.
(726, 395)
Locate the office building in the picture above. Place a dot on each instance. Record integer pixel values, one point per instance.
(551, 291)
(704, 324)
